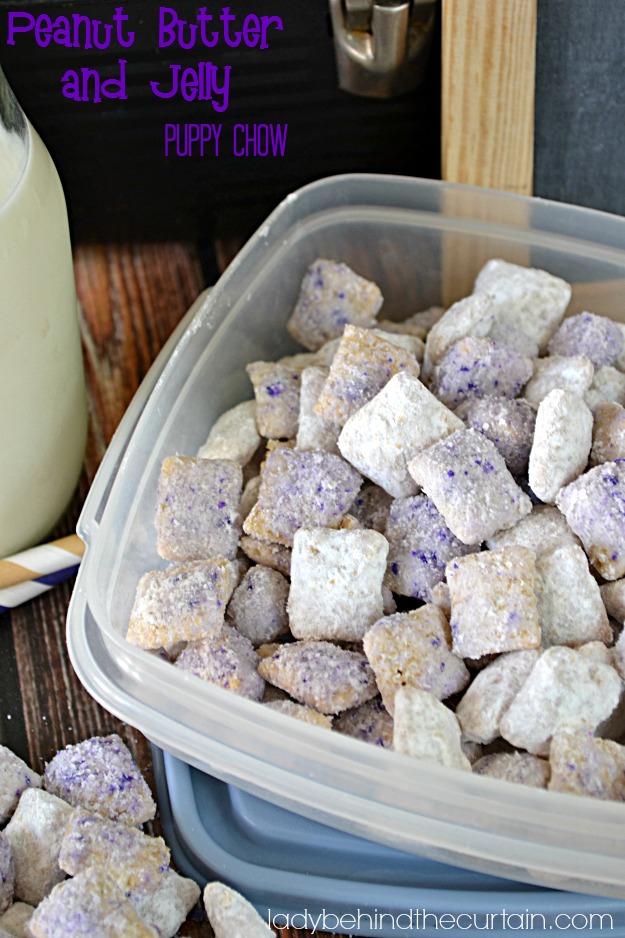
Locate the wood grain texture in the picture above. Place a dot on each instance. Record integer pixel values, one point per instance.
(488, 74)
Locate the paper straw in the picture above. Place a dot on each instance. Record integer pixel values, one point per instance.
(31, 572)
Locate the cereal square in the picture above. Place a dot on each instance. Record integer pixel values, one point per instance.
(594, 506)
(493, 602)
(231, 915)
(226, 659)
(412, 649)
(519, 767)
(181, 604)
(314, 432)
(336, 583)
(381, 437)
(300, 712)
(608, 433)
(608, 384)
(14, 923)
(581, 764)
(233, 435)
(613, 596)
(543, 530)
(570, 608)
(267, 553)
(15, 777)
(331, 296)
(561, 445)
(506, 334)
(473, 315)
(370, 722)
(573, 373)
(276, 388)
(364, 363)
(258, 605)
(507, 424)
(471, 486)
(168, 906)
(597, 337)
(301, 489)
(100, 774)
(426, 729)
(197, 513)
(476, 368)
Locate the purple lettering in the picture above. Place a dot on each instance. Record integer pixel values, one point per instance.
(14, 28)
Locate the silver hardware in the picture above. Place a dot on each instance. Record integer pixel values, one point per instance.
(382, 45)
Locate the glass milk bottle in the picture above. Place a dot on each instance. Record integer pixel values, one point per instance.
(43, 414)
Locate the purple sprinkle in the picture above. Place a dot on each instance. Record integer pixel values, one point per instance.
(451, 473)
(221, 504)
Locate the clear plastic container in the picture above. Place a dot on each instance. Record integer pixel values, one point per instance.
(423, 242)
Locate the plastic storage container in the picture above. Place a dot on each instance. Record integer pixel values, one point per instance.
(423, 243)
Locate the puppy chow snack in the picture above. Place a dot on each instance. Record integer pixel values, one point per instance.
(470, 484)
(35, 833)
(570, 607)
(226, 659)
(491, 692)
(594, 506)
(608, 433)
(315, 432)
(258, 606)
(561, 445)
(90, 904)
(504, 333)
(277, 390)
(183, 603)
(533, 299)
(581, 764)
(321, 675)
(249, 496)
(167, 907)
(472, 316)
(300, 712)
(336, 583)
(412, 649)
(197, 512)
(493, 602)
(608, 384)
(565, 690)
(331, 296)
(7, 874)
(571, 373)
(233, 435)
(543, 530)
(231, 915)
(364, 363)
(381, 437)
(519, 767)
(475, 368)
(15, 777)
(15, 921)
(267, 553)
(370, 722)
(421, 545)
(100, 775)
(596, 337)
(411, 343)
(508, 424)
(613, 596)
(425, 728)
(301, 489)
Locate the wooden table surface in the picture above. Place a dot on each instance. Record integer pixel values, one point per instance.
(131, 299)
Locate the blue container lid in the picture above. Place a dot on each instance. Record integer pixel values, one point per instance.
(301, 873)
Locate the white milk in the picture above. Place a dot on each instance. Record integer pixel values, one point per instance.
(42, 395)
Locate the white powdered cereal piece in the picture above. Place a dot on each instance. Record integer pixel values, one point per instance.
(608, 433)
(572, 373)
(232, 916)
(167, 908)
(314, 432)
(15, 777)
(233, 435)
(506, 334)
(519, 767)
(276, 389)
(530, 299)
(440, 598)
(608, 385)
(562, 441)
(35, 833)
(491, 692)
(300, 712)
(412, 649)
(581, 764)
(570, 608)
(613, 596)
(331, 296)
(424, 728)
(386, 433)
(493, 602)
(470, 484)
(543, 530)
(473, 315)
(336, 583)
(412, 343)
(16, 919)
(299, 360)
(371, 723)
(258, 605)
(565, 690)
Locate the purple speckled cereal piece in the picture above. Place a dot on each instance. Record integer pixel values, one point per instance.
(7, 874)
(331, 296)
(507, 424)
(476, 367)
(277, 390)
(133, 860)
(421, 545)
(371, 723)
(596, 337)
(581, 764)
(321, 675)
(15, 777)
(470, 484)
(197, 513)
(89, 905)
(301, 489)
(100, 774)
(258, 605)
(594, 506)
(371, 507)
(227, 659)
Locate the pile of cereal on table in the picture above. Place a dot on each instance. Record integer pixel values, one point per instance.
(414, 533)
(82, 818)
